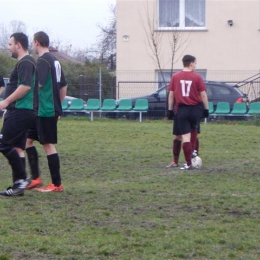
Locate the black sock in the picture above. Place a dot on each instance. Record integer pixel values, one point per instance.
(54, 166)
(24, 163)
(16, 163)
(33, 160)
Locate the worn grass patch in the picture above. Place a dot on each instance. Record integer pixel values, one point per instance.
(121, 203)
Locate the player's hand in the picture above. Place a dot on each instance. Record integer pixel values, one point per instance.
(206, 113)
(170, 115)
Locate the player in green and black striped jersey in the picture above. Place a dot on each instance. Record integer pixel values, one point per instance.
(20, 105)
(52, 89)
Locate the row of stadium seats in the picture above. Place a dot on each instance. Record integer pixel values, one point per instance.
(108, 105)
(223, 108)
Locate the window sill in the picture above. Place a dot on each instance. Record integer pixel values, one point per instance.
(187, 29)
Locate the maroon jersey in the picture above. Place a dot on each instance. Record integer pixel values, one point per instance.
(187, 86)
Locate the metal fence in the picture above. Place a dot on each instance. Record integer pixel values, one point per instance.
(138, 83)
(135, 84)
(128, 86)
(93, 87)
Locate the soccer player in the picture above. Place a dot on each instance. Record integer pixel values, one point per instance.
(20, 112)
(177, 143)
(189, 98)
(176, 149)
(52, 88)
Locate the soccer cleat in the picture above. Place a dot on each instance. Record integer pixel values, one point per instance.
(37, 183)
(172, 165)
(51, 188)
(17, 189)
(185, 167)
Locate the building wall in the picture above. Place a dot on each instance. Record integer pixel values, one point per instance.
(218, 48)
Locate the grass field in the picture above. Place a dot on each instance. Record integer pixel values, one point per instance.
(121, 203)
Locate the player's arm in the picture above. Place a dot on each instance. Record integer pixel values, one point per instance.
(63, 88)
(17, 94)
(63, 92)
(26, 71)
(203, 93)
(205, 102)
(204, 99)
(170, 114)
(170, 100)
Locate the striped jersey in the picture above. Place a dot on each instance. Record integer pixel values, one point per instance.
(24, 73)
(50, 80)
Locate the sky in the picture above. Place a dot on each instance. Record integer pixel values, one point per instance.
(69, 21)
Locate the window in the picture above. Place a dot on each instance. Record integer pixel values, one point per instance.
(167, 76)
(209, 91)
(162, 93)
(184, 14)
(221, 90)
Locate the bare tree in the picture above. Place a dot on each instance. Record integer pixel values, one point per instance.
(107, 40)
(176, 40)
(6, 31)
(17, 26)
(153, 38)
(4, 38)
(64, 47)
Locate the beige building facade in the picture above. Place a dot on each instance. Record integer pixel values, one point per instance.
(224, 35)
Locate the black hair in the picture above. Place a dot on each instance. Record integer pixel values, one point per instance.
(22, 39)
(187, 60)
(42, 38)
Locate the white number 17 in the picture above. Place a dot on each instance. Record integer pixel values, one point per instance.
(185, 87)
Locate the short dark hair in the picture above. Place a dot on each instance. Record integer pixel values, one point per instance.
(187, 60)
(22, 39)
(42, 38)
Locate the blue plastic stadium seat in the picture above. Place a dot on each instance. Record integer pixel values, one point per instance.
(93, 104)
(141, 104)
(125, 105)
(254, 108)
(108, 104)
(239, 108)
(76, 104)
(211, 108)
(64, 104)
(222, 108)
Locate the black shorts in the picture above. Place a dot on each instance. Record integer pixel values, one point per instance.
(187, 118)
(15, 126)
(44, 130)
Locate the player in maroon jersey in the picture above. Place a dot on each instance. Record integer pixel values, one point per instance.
(189, 98)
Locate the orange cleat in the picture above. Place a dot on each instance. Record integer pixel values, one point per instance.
(51, 188)
(172, 165)
(37, 183)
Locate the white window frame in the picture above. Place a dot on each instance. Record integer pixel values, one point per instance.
(181, 19)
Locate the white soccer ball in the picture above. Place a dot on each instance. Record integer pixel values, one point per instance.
(196, 162)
